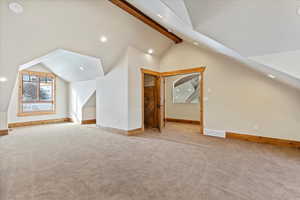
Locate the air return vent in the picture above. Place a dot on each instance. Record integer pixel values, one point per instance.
(215, 133)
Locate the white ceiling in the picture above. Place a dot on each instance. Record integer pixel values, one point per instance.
(252, 28)
(238, 29)
(75, 25)
(241, 29)
(179, 8)
(69, 66)
(287, 62)
(265, 31)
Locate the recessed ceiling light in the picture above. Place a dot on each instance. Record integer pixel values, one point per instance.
(271, 76)
(196, 43)
(16, 7)
(103, 39)
(3, 79)
(160, 16)
(298, 11)
(150, 51)
(81, 68)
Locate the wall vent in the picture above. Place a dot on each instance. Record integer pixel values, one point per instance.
(215, 133)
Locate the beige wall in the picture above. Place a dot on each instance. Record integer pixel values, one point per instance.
(188, 111)
(89, 109)
(62, 98)
(74, 25)
(137, 60)
(112, 97)
(3, 120)
(240, 99)
(79, 94)
(119, 91)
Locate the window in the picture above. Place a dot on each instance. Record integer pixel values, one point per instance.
(186, 89)
(36, 93)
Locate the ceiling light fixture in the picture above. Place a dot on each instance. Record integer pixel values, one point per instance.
(160, 16)
(3, 79)
(103, 39)
(81, 68)
(150, 51)
(271, 76)
(16, 7)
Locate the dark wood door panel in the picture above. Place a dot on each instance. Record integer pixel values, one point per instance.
(150, 106)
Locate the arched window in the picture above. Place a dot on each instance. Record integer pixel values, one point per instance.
(187, 89)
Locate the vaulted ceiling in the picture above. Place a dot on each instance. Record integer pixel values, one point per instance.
(265, 31)
(74, 25)
(263, 34)
(69, 66)
(178, 6)
(253, 28)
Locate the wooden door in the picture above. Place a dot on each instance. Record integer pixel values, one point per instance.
(150, 107)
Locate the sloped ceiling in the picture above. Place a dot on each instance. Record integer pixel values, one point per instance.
(252, 28)
(240, 29)
(75, 25)
(249, 31)
(70, 66)
(264, 31)
(179, 8)
(287, 62)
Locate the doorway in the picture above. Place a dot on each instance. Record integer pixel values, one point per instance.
(182, 100)
(151, 95)
(186, 90)
(154, 99)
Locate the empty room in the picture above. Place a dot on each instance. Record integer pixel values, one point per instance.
(143, 100)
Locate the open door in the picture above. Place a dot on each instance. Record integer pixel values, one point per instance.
(150, 107)
(151, 101)
(153, 105)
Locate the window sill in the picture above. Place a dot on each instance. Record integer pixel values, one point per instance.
(35, 114)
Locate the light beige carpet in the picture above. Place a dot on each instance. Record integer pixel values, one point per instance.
(72, 162)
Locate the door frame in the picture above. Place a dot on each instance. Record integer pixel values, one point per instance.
(162, 75)
(158, 76)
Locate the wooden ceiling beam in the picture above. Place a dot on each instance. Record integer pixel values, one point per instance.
(144, 18)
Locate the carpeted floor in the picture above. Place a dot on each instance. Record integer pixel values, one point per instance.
(72, 162)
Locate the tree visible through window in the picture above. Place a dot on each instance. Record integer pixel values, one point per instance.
(36, 93)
